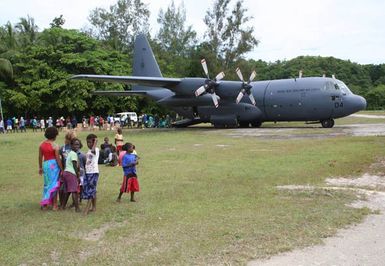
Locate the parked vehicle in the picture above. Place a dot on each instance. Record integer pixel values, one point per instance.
(126, 119)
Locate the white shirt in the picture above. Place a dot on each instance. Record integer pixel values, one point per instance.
(92, 162)
(1, 124)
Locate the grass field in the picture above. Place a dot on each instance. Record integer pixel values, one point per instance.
(205, 199)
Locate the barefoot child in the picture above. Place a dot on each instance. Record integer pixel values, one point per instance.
(82, 171)
(130, 179)
(92, 174)
(50, 166)
(71, 175)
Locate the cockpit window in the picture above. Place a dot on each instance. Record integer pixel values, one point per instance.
(343, 87)
(329, 86)
(336, 86)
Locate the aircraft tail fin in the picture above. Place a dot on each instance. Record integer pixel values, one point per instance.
(145, 64)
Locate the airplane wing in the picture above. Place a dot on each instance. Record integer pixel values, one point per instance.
(134, 80)
(120, 93)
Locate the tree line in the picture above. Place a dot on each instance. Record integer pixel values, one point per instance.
(35, 66)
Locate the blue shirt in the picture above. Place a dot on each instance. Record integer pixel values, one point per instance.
(128, 164)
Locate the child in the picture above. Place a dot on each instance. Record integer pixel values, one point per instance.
(64, 150)
(130, 179)
(82, 170)
(112, 159)
(71, 175)
(119, 140)
(92, 174)
(121, 154)
(50, 166)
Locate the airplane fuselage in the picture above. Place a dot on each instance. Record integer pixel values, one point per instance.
(297, 99)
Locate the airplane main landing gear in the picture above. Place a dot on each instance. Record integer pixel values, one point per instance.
(244, 124)
(328, 123)
(256, 124)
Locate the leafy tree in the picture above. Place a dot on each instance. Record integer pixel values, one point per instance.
(6, 70)
(119, 25)
(173, 35)
(228, 34)
(57, 22)
(42, 71)
(175, 41)
(376, 97)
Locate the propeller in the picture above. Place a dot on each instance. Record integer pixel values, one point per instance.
(246, 87)
(210, 85)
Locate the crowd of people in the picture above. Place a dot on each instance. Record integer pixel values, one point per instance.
(67, 171)
(20, 124)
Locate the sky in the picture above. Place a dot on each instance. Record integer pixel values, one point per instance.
(347, 29)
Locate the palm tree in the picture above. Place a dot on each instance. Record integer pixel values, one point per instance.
(7, 38)
(6, 70)
(28, 30)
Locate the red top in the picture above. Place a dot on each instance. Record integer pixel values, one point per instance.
(48, 151)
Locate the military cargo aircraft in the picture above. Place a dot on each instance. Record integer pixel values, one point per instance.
(235, 103)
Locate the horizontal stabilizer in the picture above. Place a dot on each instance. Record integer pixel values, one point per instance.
(134, 80)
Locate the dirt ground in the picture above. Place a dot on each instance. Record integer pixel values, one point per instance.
(362, 244)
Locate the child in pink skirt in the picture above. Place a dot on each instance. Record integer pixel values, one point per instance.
(130, 182)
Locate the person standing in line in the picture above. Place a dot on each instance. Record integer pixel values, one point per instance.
(92, 174)
(112, 122)
(50, 166)
(50, 122)
(74, 122)
(42, 124)
(15, 122)
(119, 140)
(22, 125)
(101, 123)
(130, 182)
(2, 126)
(9, 125)
(34, 124)
(92, 122)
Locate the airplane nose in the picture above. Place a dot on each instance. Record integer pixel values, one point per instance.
(361, 103)
(356, 104)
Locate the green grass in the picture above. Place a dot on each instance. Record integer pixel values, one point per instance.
(205, 199)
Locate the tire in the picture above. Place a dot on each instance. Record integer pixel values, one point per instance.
(244, 124)
(256, 124)
(328, 123)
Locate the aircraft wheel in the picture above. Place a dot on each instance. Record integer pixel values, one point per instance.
(244, 124)
(328, 123)
(256, 124)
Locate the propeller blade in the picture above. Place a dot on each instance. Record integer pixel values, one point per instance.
(252, 99)
(239, 97)
(200, 90)
(252, 76)
(215, 100)
(204, 65)
(220, 76)
(239, 73)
